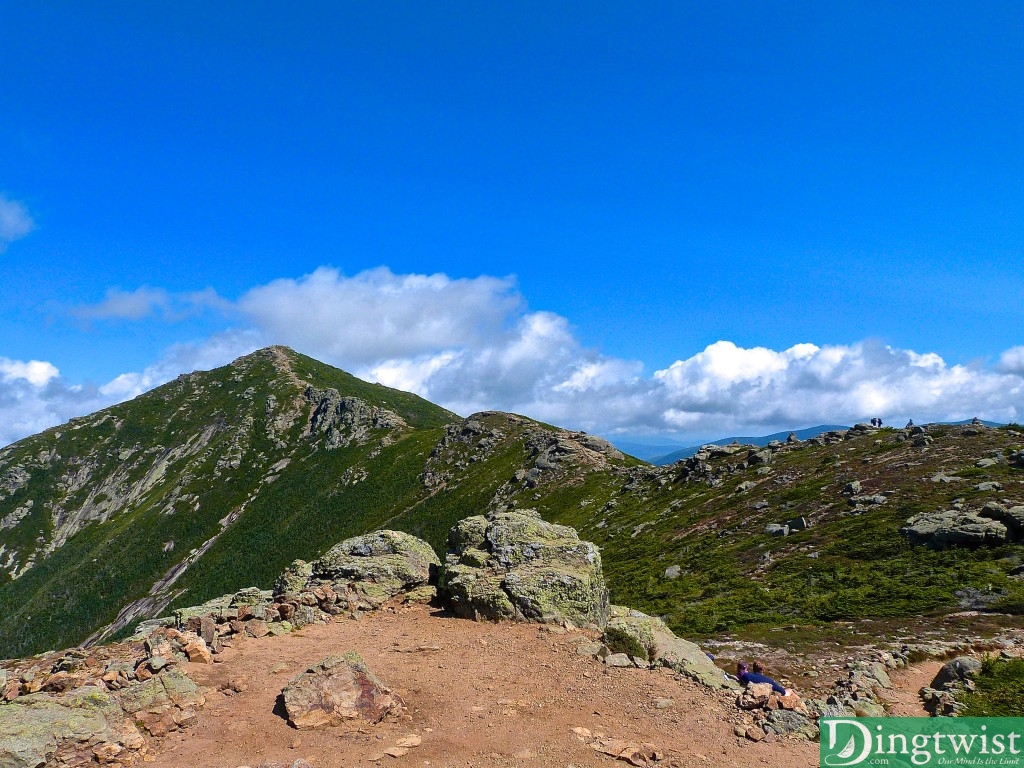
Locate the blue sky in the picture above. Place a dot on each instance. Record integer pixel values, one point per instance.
(635, 216)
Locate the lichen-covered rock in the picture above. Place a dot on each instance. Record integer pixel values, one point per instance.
(784, 721)
(338, 689)
(294, 578)
(514, 565)
(649, 638)
(954, 527)
(170, 687)
(40, 729)
(366, 570)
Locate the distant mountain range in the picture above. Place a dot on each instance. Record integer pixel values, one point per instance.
(668, 453)
(762, 440)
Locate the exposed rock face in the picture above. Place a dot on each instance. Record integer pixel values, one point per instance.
(954, 527)
(649, 639)
(365, 571)
(338, 689)
(514, 565)
(347, 420)
(79, 707)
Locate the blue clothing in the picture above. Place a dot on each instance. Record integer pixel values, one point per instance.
(752, 677)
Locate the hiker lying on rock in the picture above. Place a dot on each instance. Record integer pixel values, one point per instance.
(747, 677)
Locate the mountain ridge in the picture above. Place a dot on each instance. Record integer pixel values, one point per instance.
(220, 479)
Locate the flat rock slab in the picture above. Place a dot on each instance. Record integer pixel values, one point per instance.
(337, 690)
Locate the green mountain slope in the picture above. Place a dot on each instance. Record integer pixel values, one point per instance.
(220, 479)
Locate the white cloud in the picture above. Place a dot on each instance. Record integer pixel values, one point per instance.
(33, 395)
(145, 302)
(35, 372)
(726, 387)
(15, 222)
(1012, 361)
(377, 315)
(472, 344)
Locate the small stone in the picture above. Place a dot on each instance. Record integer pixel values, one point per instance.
(664, 703)
(256, 628)
(396, 751)
(618, 660)
(755, 733)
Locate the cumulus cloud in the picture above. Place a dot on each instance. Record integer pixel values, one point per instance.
(377, 315)
(35, 372)
(15, 222)
(726, 386)
(473, 344)
(1012, 361)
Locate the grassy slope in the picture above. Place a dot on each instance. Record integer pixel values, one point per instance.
(847, 566)
(1000, 690)
(84, 583)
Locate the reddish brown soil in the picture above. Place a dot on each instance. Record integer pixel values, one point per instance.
(489, 695)
(904, 699)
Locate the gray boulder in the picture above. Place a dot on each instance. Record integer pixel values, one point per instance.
(784, 721)
(513, 565)
(956, 671)
(954, 527)
(648, 638)
(367, 570)
(1012, 516)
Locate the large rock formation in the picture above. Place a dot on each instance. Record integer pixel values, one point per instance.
(514, 565)
(40, 729)
(649, 639)
(365, 571)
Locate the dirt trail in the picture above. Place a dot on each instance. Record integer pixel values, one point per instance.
(903, 700)
(488, 695)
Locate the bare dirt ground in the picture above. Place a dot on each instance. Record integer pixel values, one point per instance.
(477, 695)
(903, 700)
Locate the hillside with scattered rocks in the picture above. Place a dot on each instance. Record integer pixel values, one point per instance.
(144, 700)
(219, 480)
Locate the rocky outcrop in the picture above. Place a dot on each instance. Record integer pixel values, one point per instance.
(649, 640)
(772, 712)
(82, 726)
(941, 696)
(955, 527)
(514, 565)
(80, 707)
(346, 420)
(337, 690)
(361, 573)
(364, 571)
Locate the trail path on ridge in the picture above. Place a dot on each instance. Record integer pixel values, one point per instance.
(478, 695)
